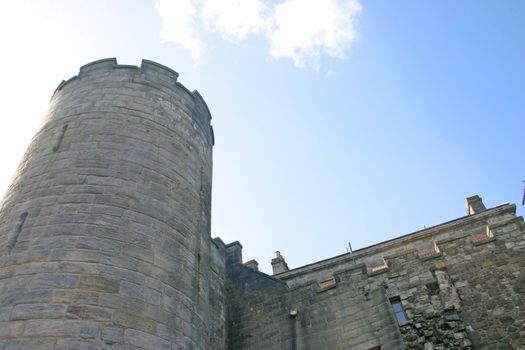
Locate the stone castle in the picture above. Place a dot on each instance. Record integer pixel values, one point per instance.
(105, 244)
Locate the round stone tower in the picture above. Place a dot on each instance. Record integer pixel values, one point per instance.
(105, 229)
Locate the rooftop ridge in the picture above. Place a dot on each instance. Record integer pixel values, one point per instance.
(262, 274)
(403, 239)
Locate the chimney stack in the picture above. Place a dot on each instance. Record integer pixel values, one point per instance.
(475, 205)
(279, 264)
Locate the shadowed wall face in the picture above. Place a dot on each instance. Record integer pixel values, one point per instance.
(105, 229)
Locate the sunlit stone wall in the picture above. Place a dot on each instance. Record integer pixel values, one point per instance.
(105, 229)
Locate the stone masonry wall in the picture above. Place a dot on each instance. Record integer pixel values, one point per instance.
(344, 316)
(461, 284)
(490, 283)
(105, 230)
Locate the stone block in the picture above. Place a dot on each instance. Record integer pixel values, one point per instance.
(75, 297)
(33, 296)
(98, 283)
(36, 311)
(88, 312)
(53, 281)
(138, 252)
(89, 329)
(146, 294)
(112, 335)
(52, 328)
(135, 321)
(76, 344)
(11, 329)
(5, 313)
(145, 340)
(28, 344)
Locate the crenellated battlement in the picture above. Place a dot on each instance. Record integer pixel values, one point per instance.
(152, 70)
(160, 81)
(103, 64)
(149, 72)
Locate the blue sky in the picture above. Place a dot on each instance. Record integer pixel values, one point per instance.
(335, 120)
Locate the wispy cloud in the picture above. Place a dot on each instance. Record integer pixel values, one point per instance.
(178, 24)
(305, 28)
(234, 18)
(301, 30)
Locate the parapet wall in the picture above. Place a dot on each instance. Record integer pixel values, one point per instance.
(425, 244)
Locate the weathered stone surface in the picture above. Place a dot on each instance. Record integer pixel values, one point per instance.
(134, 321)
(11, 329)
(34, 311)
(33, 296)
(24, 344)
(112, 198)
(145, 340)
(75, 297)
(112, 335)
(519, 284)
(5, 313)
(99, 284)
(87, 312)
(467, 297)
(52, 328)
(136, 291)
(76, 344)
(89, 329)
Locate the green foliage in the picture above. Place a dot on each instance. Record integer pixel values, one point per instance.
(228, 286)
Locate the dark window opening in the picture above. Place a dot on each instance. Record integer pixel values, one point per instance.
(61, 137)
(399, 311)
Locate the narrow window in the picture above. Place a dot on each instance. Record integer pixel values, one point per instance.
(198, 273)
(14, 236)
(60, 138)
(399, 311)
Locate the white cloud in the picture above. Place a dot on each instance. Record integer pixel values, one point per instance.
(178, 24)
(298, 29)
(234, 18)
(305, 28)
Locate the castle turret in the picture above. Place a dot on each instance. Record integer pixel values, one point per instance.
(105, 229)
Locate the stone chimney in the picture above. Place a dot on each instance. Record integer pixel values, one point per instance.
(278, 264)
(252, 264)
(475, 205)
(234, 253)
